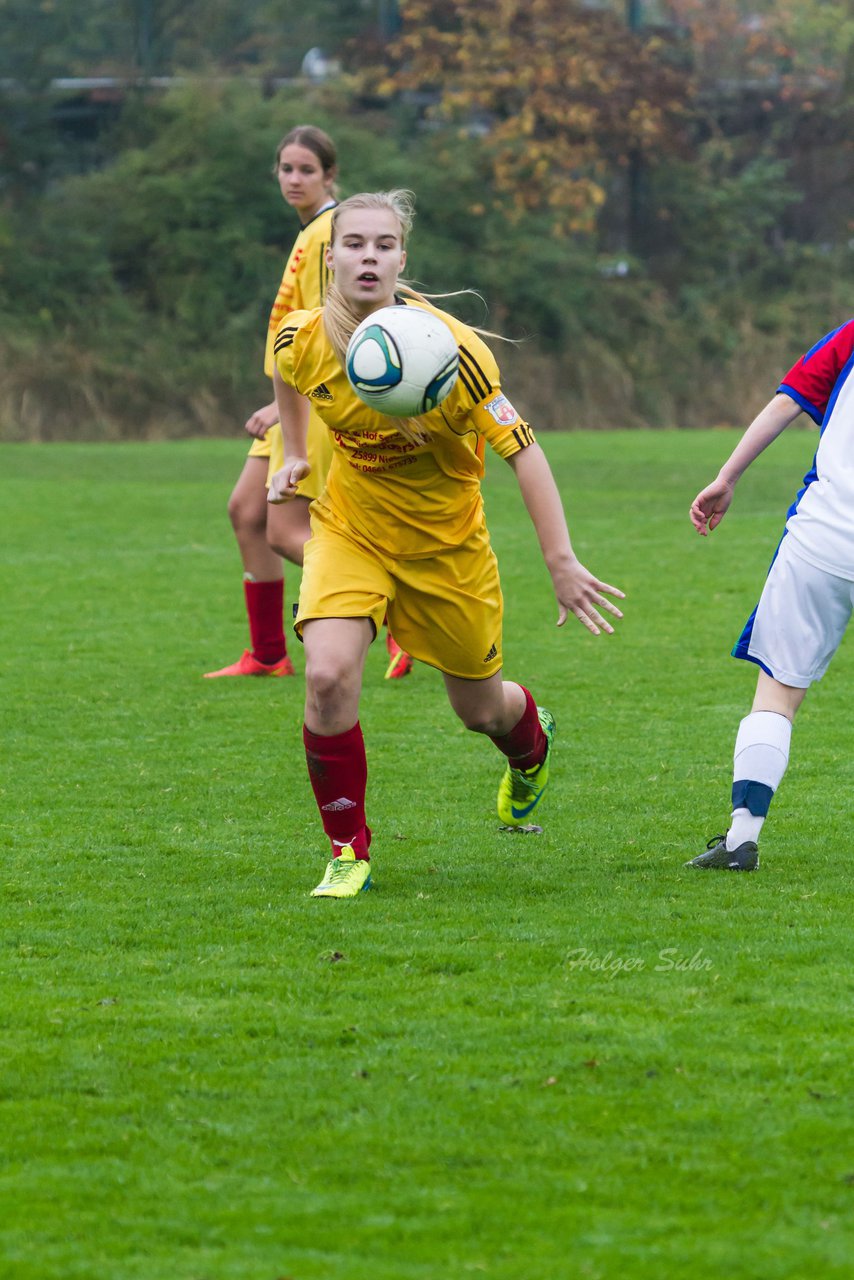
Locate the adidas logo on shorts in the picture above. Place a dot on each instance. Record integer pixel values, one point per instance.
(492, 654)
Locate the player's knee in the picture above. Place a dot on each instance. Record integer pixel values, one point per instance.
(327, 683)
(245, 517)
(480, 720)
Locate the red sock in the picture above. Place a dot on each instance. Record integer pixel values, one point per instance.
(264, 604)
(338, 772)
(525, 744)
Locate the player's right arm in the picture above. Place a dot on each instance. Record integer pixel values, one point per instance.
(293, 419)
(261, 421)
(712, 503)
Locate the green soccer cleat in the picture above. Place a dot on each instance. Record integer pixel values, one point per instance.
(521, 790)
(346, 876)
(719, 858)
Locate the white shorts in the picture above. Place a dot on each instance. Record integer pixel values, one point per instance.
(799, 622)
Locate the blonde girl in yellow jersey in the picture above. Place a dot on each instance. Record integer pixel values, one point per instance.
(306, 168)
(400, 529)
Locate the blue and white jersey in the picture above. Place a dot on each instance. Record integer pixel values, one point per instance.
(821, 519)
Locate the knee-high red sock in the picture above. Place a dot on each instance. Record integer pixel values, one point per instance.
(264, 605)
(338, 772)
(525, 744)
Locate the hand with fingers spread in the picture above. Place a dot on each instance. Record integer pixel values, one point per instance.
(580, 593)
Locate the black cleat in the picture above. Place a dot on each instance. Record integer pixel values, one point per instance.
(719, 858)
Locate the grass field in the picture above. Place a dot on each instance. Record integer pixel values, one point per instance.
(527, 1058)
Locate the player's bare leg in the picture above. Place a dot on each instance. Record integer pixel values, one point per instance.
(247, 511)
(492, 706)
(782, 699)
(288, 528)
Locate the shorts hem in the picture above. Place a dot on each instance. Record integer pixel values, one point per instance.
(456, 675)
(782, 677)
(259, 449)
(299, 623)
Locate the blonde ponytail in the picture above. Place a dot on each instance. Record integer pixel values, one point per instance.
(339, 320)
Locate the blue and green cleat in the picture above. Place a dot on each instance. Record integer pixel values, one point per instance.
(521, 790)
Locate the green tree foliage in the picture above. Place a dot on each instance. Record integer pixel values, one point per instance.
(150, 281)
(154, 274)
(46, 38)
(637, 254)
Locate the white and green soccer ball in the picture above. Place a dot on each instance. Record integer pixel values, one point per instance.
(403, 361)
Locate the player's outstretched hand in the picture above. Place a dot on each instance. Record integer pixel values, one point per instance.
(261, 421)
(283, 485)
(579, 592)
(710, 506)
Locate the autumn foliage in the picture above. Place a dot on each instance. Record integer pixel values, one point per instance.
(561, 93)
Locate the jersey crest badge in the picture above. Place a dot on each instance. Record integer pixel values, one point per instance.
(501, 410)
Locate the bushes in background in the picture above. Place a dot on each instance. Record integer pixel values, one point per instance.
(134, 298)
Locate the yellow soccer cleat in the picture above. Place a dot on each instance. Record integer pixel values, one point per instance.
(346, 876)
(521, 790)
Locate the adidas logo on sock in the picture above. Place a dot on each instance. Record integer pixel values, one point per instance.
(335, 806)
(322, 393)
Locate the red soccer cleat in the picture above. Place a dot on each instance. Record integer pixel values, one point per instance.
(249, 666)
(400, 663)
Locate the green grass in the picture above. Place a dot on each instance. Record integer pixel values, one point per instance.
(486, 1066)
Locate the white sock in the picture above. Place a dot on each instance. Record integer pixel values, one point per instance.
(743, 826)
(761, 755)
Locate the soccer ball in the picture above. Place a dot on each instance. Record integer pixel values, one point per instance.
(402, 361)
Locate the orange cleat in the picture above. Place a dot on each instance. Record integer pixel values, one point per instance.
(400, 663)
(249, 666)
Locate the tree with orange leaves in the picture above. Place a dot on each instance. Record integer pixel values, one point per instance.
(561, 93)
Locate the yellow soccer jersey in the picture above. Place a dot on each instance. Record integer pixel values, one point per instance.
(303, 285)
(410, 500)
(305, 277)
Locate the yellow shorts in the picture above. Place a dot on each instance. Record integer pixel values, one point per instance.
(446, 610)
(319, 450)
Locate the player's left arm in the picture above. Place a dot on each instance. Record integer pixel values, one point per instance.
(577, 590)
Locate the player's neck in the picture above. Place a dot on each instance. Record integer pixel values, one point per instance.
(306, 218)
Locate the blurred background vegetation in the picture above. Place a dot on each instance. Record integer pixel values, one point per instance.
(655, 195)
